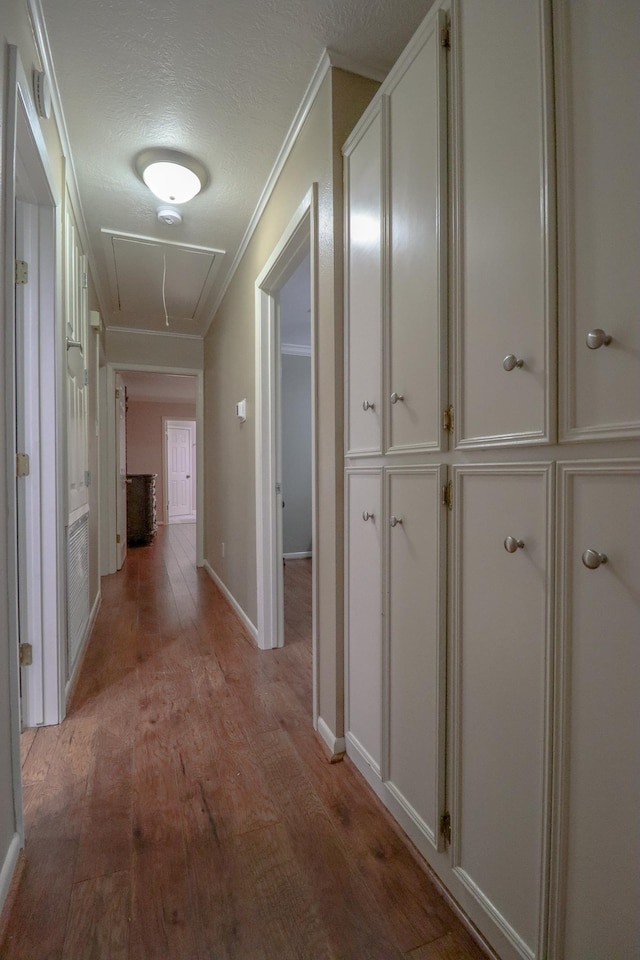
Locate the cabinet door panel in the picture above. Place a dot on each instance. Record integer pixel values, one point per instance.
(363, 615)
(504, 297)
(364, 290)
(501, 642)
(599, 742)
(415, 662)
(417, 248)
(598, 71)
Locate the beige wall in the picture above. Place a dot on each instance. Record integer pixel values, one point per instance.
(229, 362)
(154, 350)
(145, 440)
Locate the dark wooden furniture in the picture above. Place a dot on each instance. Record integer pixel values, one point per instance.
(141, 508)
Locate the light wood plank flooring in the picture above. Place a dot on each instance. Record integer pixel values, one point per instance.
(185, 809)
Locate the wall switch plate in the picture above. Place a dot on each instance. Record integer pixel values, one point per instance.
(241, 410)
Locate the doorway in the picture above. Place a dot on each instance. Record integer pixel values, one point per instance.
(154, 395)
(297, 246)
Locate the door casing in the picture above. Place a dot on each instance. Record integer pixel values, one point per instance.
(299, 239)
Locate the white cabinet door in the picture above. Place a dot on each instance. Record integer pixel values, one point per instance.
(504, 289)
(415, 645)
(416, 337)
(363, 625)
(598, 78)
(597, 883)
(500, 665)
(363, 283)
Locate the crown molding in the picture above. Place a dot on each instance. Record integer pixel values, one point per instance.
(43, 49)
(153, 333)
(328, 60)
(302, 113)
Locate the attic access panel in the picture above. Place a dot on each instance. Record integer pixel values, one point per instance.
(151, 279)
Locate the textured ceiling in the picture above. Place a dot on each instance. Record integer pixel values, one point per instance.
(219, 79)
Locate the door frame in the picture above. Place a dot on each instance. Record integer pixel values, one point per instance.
(166, 423)
(121, 485)
(26, 162)
(299, 238)
(108, 470)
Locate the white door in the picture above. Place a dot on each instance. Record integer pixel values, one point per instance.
(598, 733)
(180, 439)
(416, 339)
(504, 294)
(28, 441)
(598, 67)
(121, 468)
(415, 642)
(363, 176)
(500, 658)
(363, 618)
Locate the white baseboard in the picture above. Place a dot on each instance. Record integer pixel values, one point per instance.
(297, 556)
(336, 745)
(8, 868)
(93, 616)
(253, 630)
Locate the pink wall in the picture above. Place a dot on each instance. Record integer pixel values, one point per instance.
(145, 440)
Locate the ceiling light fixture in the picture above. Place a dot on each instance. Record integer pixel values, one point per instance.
(172, 176)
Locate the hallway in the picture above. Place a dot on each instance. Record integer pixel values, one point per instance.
(185, 808)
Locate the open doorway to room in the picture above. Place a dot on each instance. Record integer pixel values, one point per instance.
(155, 399)
(288, 276)
(294, 314)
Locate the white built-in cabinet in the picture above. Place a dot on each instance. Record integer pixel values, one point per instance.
(596, 887)
(363, 612)
(414, 655)
(503, 293)
(501, 591)
(492, 586)
(598, 217)
(363, 386)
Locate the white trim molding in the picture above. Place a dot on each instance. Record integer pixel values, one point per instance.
(8, 868)
(229, 597)
(337, 745)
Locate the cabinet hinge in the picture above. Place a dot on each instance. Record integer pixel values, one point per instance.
(87, 478)
(86, 376)
(447, 495)
(117, 394)
(85, 281)
(22, 272)
(22, 465)
(117, 538)
(26, 655)
(445, 827)
(445, 38)
(447, 419)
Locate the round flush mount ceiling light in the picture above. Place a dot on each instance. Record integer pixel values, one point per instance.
(172, 176)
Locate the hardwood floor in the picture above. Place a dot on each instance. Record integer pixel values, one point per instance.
(185, 809)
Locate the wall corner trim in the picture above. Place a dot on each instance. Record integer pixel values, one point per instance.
(253, 630)
(7, 872)
(337, 745)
